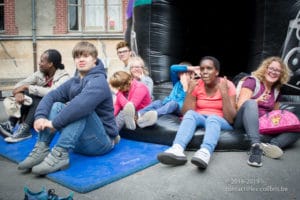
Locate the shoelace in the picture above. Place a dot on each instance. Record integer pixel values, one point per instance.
(20, 131)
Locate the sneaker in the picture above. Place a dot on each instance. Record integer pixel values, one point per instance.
(147, 119)
(173, 156)
(255, 156)
(129, 112)
(201, 158)
(58, 159)
(22, 133)
(271, 150)
(6, 129)
(36, 156)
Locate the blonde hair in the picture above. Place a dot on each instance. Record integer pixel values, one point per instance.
(138, 60)
(121, 80)
(263, 67)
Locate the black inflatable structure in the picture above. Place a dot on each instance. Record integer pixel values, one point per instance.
(240, 35)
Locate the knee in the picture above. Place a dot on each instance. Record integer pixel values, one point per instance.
(212, 119)
(57, 106)
(174, 103)
(250, 103)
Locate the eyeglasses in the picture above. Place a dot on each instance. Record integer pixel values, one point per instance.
(124, 51)
(136, 66)
(275, 71)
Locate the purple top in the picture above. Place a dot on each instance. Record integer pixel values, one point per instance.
(263, 107)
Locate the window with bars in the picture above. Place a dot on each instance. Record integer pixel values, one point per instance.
(95, 15)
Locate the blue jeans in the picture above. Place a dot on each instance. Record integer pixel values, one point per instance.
(161, 109)
(212, 124)
(86, 136)
(247, 119)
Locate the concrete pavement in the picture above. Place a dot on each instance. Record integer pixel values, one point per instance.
(227, 177)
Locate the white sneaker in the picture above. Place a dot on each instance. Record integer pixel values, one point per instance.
(173, 156)
(201, 158)
(147, 119)
(129, 112)
(271, 151)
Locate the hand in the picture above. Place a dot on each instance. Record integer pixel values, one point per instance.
(19, 98)
(191, 85)
(137, 75)
(223, 86)
(264, 97)
(184, 80)
(42, 123)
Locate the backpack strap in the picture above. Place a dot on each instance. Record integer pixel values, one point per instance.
(256, 89)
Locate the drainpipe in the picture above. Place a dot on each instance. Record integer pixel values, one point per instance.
(33, 22)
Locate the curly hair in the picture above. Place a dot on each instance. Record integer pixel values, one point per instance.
(121, 80)
(263, 67)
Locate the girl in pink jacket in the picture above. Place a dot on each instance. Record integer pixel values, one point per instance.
(131, 96)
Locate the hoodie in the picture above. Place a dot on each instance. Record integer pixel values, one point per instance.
(83, 96)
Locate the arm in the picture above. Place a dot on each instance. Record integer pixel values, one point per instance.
(190, 100)
(121, 101)
(174, 72)
(229, 108)
(59, 78)
(277, 106)
(245, 94)
(22, 86)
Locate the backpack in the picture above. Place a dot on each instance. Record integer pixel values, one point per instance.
(256, 89)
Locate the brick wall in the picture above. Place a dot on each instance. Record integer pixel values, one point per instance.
(61, 14)
(9, 18)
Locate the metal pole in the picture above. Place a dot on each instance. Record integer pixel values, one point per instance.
(33, 20)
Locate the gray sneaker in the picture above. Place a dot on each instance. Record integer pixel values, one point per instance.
(147, 119)
(36, 156)
(6, 129)
(58, 159)
(271, 150)
(129, 112)
(22, 133)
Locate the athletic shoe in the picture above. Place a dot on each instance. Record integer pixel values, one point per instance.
(6, 129)
(271, 150)
(58, 159)
(36, 156)
(173, 156)
(147, 119)
(129, 115)
(22, 133)
(201, 158)
(255, 156)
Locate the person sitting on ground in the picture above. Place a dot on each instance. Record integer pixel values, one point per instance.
(131, 96)
(271, 74)
(172, 104)
(209, 103)
(82, 111)
(124, 53)
(139, 72)
(28, 93)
